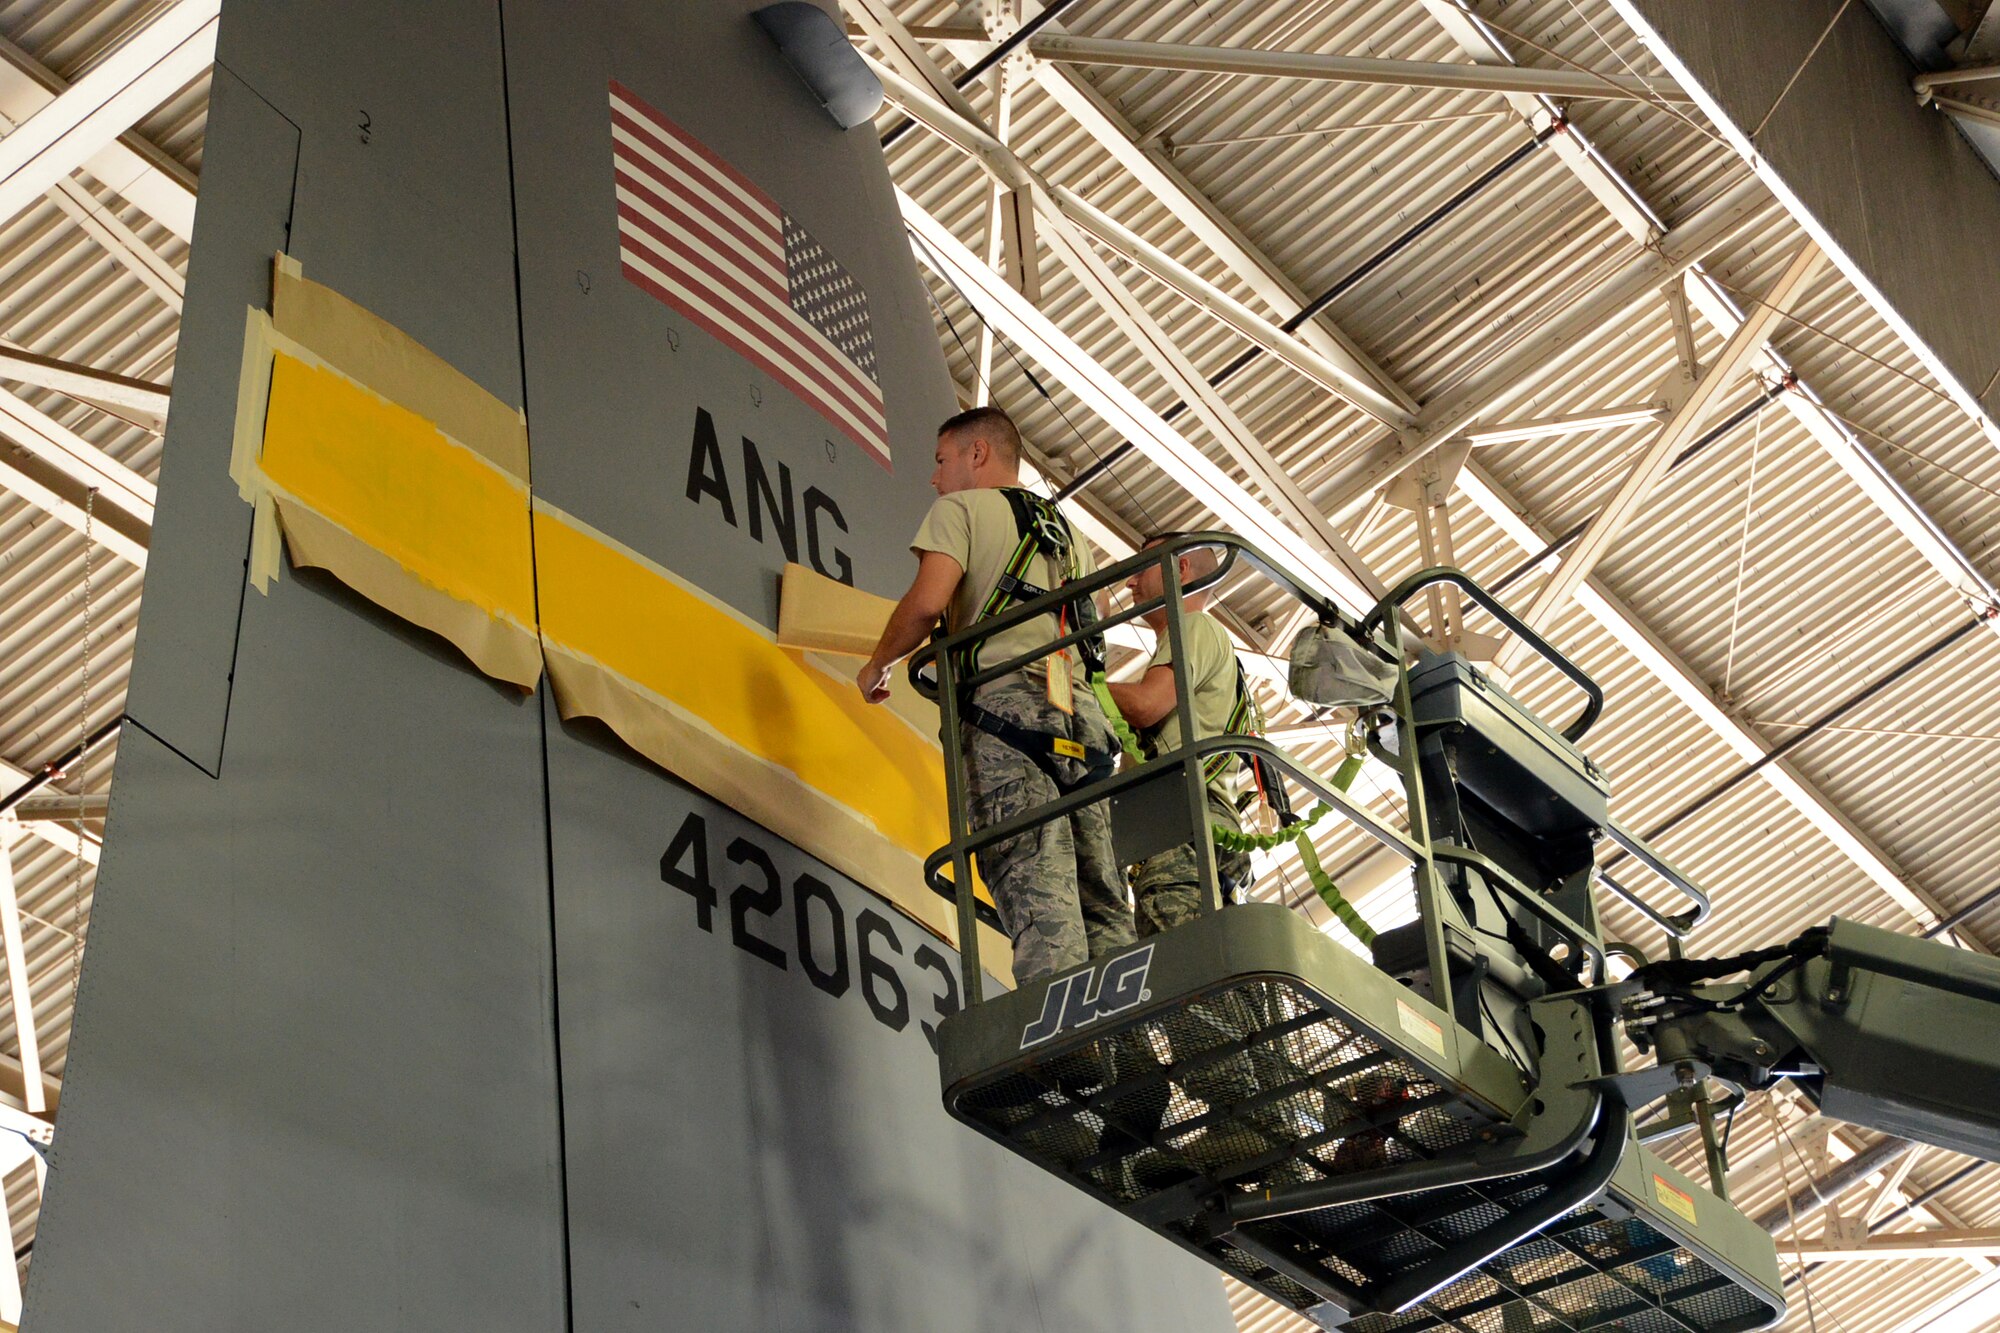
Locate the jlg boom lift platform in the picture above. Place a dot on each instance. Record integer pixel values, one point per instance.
(1444, 1138)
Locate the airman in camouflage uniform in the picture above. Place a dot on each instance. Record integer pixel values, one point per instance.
(1167, 888)
(1057, 888)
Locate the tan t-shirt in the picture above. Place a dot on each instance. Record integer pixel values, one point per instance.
(976, 528)
(1211, 681)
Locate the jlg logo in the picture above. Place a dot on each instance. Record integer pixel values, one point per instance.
(1071, 1003)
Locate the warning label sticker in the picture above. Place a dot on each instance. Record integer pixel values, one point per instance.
(1678, 1202)
(1425, 1031)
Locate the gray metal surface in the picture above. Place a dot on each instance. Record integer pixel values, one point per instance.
(402, 186)
(313, 1083)
(1894, 184)
(201, 530)
(313, 1079)
(754, 1133)
(615, 378)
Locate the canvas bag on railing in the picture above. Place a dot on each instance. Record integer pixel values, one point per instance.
(1333, 669)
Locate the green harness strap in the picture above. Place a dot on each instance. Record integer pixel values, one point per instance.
(1237, 725)
(1329, 893)
(1128, 740)
(1006, 587)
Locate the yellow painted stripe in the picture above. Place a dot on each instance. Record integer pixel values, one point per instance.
(636, 619)
(374, 352)
(391, 478)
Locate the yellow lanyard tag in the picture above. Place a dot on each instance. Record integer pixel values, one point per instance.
(1067, 748)
(1061, 686)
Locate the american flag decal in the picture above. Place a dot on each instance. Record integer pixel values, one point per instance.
(694, 233)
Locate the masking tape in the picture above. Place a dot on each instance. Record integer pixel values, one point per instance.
(501, 648)
(825, 615)
(370, 350)
(393, 471)
(409, 518)
(388, 476)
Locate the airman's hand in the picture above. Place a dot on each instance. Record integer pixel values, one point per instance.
(873, 680)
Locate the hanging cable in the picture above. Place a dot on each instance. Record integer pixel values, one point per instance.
(1798, 1245)
(1098, 457)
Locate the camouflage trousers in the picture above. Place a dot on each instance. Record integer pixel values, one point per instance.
(1166, 889)
(1058, 888)
(1166, 892)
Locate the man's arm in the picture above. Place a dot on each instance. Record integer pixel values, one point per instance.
(1146, 701)
(910, 623)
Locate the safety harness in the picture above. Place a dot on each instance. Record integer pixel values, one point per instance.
(1044, 534)
(1292, 827)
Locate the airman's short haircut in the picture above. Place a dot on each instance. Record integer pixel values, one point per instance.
(990, 424)
(1200, 560)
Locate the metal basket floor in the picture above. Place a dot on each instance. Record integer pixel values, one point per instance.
(1257, 1083)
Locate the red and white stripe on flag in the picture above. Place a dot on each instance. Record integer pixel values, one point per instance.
(698, 235)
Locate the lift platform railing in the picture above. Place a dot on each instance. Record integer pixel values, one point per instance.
(1383, 627)
(947, 655)
(1382, 619)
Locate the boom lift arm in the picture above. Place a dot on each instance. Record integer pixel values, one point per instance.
(1882, 1030)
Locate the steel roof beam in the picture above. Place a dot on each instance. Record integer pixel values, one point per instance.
(1576, 423)
(1209, 298)
(1636, 218)
(1939, 78)
(1874, 481)
(1315, 67)
(60, 836)
(999, 207)
(132, 167)
(1821, 1191)
(22, 993)
(158, 60)
(1037, 335)
(1327, 557)
(120, 395)
(71, 516)
(60, 809)
(1554, 345)
(119, 241)
(1932, 1243)
(1693, 412)
(1611, 190)
(1845, 66)
(83, 462)
(1969, 107)
(1093, 112)
(1781, 775)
